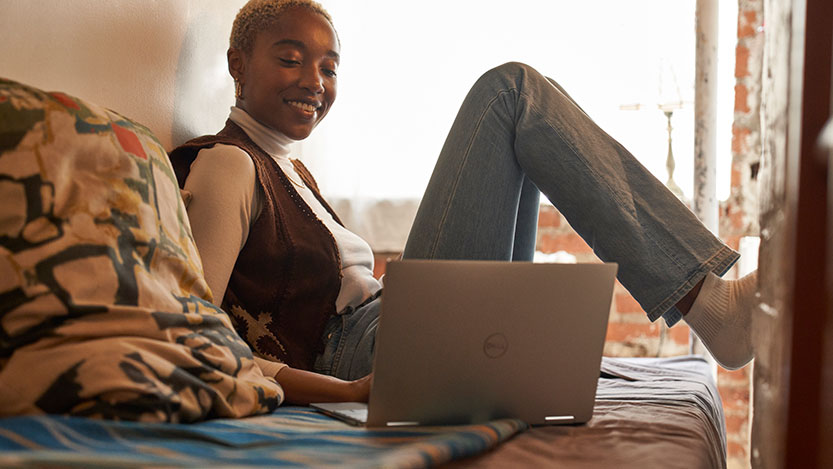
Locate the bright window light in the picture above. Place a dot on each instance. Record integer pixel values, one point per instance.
(406, 67)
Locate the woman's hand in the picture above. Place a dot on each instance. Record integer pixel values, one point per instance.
(304, 387)
(361, 388)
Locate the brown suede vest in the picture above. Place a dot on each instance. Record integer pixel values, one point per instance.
(287, 276)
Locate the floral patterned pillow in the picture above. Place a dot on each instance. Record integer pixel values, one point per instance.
(103, 304)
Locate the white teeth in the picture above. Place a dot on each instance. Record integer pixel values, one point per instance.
(304, 106)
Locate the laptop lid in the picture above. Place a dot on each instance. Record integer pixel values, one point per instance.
(471, 341)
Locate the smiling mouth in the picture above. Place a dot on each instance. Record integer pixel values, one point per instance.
(304, 106)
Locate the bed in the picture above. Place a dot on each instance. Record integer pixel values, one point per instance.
(649, 413)
(104, 315)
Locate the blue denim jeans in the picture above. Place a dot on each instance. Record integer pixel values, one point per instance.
(349, 341)
(519, 134)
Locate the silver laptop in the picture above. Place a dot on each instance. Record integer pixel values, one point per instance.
(470, 341)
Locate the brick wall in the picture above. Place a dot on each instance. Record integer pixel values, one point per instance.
(739, 214)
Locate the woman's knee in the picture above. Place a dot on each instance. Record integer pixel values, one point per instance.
(514, 69)
(509, 74)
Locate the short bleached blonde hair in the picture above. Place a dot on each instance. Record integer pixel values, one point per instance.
(257, 15)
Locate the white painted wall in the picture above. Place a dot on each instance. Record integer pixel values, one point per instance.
(160, 62)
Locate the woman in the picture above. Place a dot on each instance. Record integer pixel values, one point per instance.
(299, 286)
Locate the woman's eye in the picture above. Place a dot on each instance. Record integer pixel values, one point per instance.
(290, 61)
(330, 72)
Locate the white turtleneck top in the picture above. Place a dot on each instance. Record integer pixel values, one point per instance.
(226, 201)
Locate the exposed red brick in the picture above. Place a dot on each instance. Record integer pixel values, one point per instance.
(726, 375)
(741, 61)
(736, 219)
(741, 94)
(736, 424)
(739, 135)
(734, 394)
(638, 348)
(736, 178)
(733, 378)
(679, 334)
(747, 23)
(624, 332)
(548, 217)
(737, 450)
(733, 241)
(626, 304)
(737, 407)
(630, 317)
(570, 242)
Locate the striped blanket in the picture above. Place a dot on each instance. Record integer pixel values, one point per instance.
(290, 437)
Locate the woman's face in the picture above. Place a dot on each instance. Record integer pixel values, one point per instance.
(289, 79)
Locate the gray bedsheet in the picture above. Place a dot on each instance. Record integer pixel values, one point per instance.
(650, 412)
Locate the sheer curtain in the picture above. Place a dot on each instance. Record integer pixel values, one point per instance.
(406, 67)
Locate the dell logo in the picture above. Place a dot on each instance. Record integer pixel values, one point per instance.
(496, 345)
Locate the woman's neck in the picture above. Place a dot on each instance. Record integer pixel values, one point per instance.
(270, 140)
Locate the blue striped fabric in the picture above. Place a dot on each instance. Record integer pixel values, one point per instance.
(290, 437)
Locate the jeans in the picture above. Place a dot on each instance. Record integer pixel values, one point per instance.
(518, 133)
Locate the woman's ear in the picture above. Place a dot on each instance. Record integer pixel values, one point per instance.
(236, 64)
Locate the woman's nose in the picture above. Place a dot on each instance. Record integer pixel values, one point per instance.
(313, 81)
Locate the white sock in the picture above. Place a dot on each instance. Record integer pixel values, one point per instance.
(721, 316)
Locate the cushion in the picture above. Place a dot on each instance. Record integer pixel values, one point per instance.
(104, 311)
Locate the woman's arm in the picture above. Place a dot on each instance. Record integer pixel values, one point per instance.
(304, 387)
(222, 184)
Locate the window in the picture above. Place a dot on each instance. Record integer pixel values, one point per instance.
(406, 67)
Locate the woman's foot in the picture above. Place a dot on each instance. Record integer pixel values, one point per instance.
(721, 316)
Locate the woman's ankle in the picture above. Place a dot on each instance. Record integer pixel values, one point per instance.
(684, 305)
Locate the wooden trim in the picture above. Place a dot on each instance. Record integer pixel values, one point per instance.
(792, 420)
(809, 303)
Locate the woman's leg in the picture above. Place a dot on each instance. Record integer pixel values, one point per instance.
(526, 222)
(517, 129)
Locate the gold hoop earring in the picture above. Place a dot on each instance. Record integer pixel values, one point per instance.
(238, 90)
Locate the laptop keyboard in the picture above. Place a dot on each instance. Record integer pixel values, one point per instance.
(354, 414)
